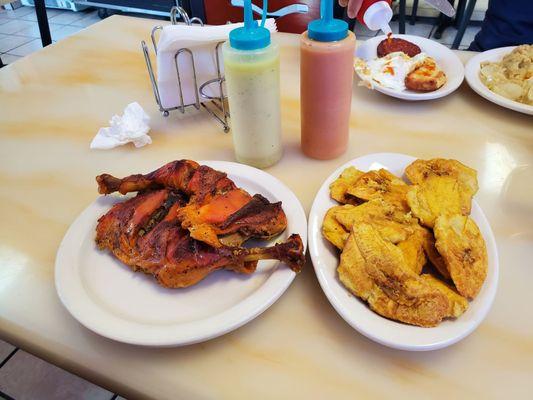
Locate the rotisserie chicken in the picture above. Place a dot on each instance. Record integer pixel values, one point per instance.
(189, 220)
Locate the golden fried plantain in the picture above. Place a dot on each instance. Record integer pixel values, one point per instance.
(463, 249)
(438, 195)
(392, 222)
(420, 170)
(380, 184)
(374, 270)
(457, 304)
(413, 250)
(433, 255)
(339, 187)
(332, 230)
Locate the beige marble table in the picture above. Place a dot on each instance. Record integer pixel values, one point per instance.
(51, 105)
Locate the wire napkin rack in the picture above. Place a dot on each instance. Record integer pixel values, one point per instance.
(216, 106)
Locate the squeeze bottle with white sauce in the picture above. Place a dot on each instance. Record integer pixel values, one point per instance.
(326, 77)
(376, 15)
(251, 64)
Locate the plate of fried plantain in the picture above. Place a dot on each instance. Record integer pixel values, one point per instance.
(403, 251)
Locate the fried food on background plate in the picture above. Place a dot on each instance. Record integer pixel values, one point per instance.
(393, 223)
(339, 187)
(427, 77)
(374, 270)
(463, 249)
(380, 184)
(421, 170)
(457, 304)
(334, 232)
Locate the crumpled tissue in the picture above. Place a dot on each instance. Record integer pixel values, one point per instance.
(132, 126)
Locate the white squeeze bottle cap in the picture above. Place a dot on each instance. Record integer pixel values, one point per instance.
(378, 16)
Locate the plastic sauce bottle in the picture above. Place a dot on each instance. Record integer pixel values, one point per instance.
(376, 15)
(326, 77)
(251, 64)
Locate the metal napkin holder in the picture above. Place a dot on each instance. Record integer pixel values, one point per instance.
(216, 107)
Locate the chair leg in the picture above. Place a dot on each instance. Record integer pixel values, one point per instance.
(464, 23)
(414, 11)
(460, 11)
(401, 17)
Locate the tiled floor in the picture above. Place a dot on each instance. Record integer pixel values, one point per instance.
(19, 31)
(26, 377)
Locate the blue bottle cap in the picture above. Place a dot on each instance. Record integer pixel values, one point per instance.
(327, 28)
(250, 36)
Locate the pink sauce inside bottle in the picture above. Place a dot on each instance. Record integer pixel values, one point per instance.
(326, 77)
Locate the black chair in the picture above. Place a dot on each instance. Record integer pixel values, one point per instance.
(464, 14)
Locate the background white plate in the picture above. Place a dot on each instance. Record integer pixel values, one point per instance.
(472, 77)
(446, 59)
(387, 332)
(113, 301)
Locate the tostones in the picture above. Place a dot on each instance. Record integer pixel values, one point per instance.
(463, 249)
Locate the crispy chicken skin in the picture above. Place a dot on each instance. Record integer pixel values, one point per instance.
(189, 220)
(216, 206)
(373, 269)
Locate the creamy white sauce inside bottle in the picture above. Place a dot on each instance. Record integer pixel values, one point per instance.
(251, 65)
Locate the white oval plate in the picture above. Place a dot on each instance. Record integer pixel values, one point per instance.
(472, 77)
(110, 299)
(446, 59)
(387, 332)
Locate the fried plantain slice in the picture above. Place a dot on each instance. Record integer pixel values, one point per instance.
(374, 270)
(413, 250)
(380, 184)
(433, 255)
(392, 222)
(457, 304)
(338, 188)
(332, 230)
(421, 170)
(463, 249)
(438, 196)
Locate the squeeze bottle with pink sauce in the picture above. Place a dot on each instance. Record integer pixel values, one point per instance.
(326, 77)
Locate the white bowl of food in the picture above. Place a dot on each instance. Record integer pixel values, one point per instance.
(386, 301)
(503, 76)
(431, 72)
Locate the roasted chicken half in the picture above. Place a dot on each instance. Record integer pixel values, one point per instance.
(188, 220)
